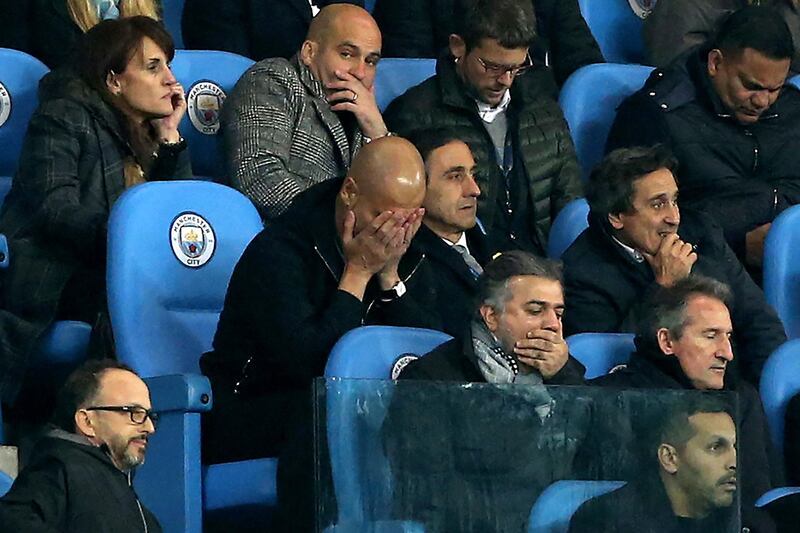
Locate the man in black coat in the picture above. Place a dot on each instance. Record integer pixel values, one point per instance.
(507, 113)
(257, 29)
(683, 340)
(422, 28)
(79, 475)
(638, 240)
(732, 122)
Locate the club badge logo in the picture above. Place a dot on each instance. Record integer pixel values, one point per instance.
(401, 363)
(204, 103)
(193, 240)
(5, 104)
(642, 8)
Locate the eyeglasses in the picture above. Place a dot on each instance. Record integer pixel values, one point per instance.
(138, 414)
(495, 70)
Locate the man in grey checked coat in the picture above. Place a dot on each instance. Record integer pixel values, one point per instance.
(290, 124)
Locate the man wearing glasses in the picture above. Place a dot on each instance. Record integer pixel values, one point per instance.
(79, 475)
(504, 107)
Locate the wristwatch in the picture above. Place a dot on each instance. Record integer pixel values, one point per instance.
(172, 149)
(397, 290)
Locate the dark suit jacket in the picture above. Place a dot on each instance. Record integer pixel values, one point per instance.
(257, 29)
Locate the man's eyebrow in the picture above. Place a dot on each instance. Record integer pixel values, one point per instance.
(457, 168)
(755, 85)
(659, 196)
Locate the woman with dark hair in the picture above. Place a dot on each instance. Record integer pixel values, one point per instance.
(104, 124)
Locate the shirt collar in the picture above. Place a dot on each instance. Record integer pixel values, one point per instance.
(489, 113)
(634, 254)
(462, 241)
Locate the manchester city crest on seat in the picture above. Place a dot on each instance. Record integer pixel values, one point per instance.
(204, 103)
(642, 8)
(5, 104)
(193, 240)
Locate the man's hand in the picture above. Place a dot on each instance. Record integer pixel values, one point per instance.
(351, 95)
(754, 245)
(543, 350)
(166, 128)
(388, 275)
(672, 261)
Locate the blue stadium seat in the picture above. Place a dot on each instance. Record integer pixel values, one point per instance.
(19, 82)
(780, 381)
(172, 11)
(617, 29)
(207, 77)
(172, 247)
(369, 352)
(601, 352)
(569, 223)
(555, 506)
(590, 98)
(396, 75)
(5, 483)
(782, 269)
(369, 5)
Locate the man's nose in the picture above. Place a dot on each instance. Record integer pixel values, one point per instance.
(551, 321)
(673, 214)
(471, 188)
(761, 99)
(359, 70)
(149, 426)
(725, 350)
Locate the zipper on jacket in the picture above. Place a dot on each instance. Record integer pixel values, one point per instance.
(774, 202)
(413, 271)
(138, 504)
(316, 249)
(749, 133)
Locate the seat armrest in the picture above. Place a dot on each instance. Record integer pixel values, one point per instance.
(188, 393)
(776, 494)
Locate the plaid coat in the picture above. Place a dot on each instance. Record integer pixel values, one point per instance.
(280, 136)
(70, 174)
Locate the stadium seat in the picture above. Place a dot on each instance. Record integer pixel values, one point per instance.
(396, 75)
(369, 352)
(555, 506)
(616, 28)
(569, 223)
(172, 247)
(780, 381)
(19, 82)
(5, 483)
(782, 269)
(172, 11)
(207, 77)
(601, 352)
(590, 98)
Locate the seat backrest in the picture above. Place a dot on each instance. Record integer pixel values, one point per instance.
(172, 247)
(369, 352)
(555, 506)
(616, 28)
(590, 98)
(601, 352)
(396, 75)
(207, 77)
(782, 269)
(19, 83)
(569, 223)
(780, 381)
(172, 11)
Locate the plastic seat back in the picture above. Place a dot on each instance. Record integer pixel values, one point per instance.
(172, 10)
(569, 223)
(207, 77)
(370, 352)
(172, 249)
(555, 506)
(782, 269)
(590, 98)
(601, 352)
(396, 75)
(616, 28)
(780, 381)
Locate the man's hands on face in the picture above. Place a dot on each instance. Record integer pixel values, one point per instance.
(672, 261)
(351, 95)
(754, 245)
(389, 275)
(543, 350)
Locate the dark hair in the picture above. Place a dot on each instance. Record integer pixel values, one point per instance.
(80, 390)
(761, 28)
(511, 22)
(675, 428)
(111, 44)
(493, 283)
(427, 140)
(665, 307)
(610, 187)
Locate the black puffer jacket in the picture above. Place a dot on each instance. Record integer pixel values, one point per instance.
(70, 486)
(541, 135)
(421, 28)
(743, 176)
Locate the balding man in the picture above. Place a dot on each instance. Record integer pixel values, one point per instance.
(338, 258)
(291, 124)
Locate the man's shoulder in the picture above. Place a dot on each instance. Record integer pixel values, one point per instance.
(610, 510)
(591, 251)
(666, 89)
(274, 74)
(420, 98)
(446, 362)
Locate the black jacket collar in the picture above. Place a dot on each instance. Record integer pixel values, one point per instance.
(437, 250)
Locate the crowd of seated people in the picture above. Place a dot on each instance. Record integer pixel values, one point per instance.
(435, 214)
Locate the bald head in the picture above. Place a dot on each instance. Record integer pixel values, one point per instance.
(387, 174)
(337, 20)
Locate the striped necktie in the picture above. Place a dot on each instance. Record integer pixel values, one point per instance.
(471, 262)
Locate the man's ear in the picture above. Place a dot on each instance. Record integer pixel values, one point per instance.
(490, 317)
(349, 192)
(714, 62)
(458, 48)
(616, 221)
(83, 423)
(665, 342)
(668, 458)
(307, 52)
